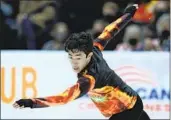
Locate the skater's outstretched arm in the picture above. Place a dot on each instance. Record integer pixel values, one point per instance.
(112, 29)
(83, 85)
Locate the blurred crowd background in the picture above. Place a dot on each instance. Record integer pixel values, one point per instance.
(46, 24)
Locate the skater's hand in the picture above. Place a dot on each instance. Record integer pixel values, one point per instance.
(131, 9)
(22, 103)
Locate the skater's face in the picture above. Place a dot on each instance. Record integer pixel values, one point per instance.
(79, 60)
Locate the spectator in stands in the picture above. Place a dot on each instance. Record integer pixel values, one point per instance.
(110, 11)
(150, 44)
(163, 30)
(160, 8)
(8, 32)
(36, 18)
(59, 33)
(97, 27)
(131, 40)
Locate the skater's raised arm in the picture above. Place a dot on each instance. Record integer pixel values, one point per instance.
(115, 27)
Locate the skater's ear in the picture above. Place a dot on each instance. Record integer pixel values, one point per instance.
(90, 55)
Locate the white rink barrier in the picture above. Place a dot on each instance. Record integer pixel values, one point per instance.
(45, 73)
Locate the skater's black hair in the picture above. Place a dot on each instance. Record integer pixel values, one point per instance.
(79, 42)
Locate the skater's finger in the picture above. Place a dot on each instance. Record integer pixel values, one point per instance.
(21, 107)
(15, 105)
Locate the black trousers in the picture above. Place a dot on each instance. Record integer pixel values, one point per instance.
(136, 113)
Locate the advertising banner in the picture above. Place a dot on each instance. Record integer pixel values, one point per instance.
(30, 74)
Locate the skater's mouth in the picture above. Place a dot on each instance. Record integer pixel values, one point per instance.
(76, 68)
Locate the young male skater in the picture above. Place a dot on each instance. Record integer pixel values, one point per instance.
(113, 97)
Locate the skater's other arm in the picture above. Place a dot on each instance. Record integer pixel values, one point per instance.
(83, 85)
(115, 27)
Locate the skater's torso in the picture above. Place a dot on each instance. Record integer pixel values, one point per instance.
(110, 94)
